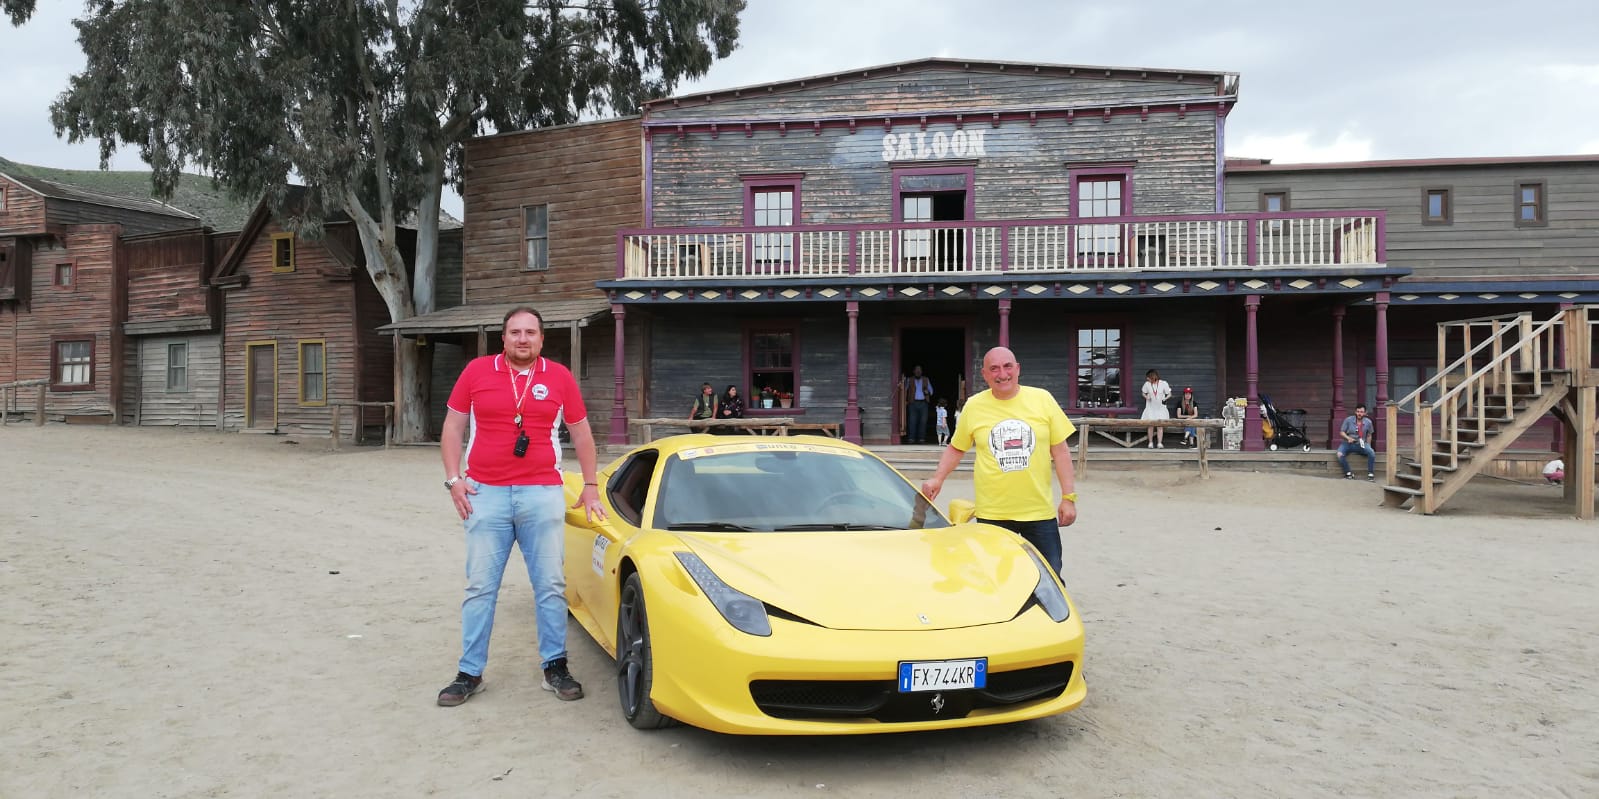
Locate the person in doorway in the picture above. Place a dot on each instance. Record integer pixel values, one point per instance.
(943, 422)
(918, 396)
(1020, 435)
(705, 406)
(1188, 410)
(1356, 432)
(512, 493)
(1156, 391)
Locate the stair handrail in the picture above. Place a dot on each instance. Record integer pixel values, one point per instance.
(1410, 399)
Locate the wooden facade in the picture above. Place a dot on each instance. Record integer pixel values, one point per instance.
(66, 283)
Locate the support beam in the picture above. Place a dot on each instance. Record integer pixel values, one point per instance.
(852, 406)
(1004, 323)
(1382, 356)
(1338, 377)
(1579, 466)
(1253, 441)
(618, 433)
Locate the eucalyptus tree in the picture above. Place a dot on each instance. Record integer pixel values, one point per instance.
(367, 102)
(17, 10)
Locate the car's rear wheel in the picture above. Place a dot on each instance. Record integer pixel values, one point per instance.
(635, 664)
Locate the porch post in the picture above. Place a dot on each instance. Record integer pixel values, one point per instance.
(1253, 442)
(1337, 374)
(1004, 323)
(619, 398)
(1382, 366)
(1558, 441)
(852, 407)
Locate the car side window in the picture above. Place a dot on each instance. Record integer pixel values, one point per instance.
(629, 487)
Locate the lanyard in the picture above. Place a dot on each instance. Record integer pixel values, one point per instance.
(519, 396)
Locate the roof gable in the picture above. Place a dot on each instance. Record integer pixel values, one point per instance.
(52, 190)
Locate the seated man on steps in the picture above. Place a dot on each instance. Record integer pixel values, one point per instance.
(1356, 432)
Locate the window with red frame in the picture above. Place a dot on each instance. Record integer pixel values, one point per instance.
(1098, 196)
(772, 365)
(74, 367)
(1101, 357)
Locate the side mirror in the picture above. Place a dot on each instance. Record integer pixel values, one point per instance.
(962, 511)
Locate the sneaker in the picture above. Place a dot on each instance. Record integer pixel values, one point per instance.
(1349, 476)
(459, 691)
(561, 682)
(1372, 477)
(1151, 445)
(1161, 445)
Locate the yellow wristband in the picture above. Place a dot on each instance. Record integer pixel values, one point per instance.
(1072, 497)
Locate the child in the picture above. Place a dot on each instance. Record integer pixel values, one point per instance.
(1554, 471)
(943, 422)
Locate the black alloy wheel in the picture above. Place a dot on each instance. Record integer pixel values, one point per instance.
(635, 665)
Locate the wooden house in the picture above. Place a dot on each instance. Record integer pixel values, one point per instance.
(67, 260)
(543, 207)
(823, 236)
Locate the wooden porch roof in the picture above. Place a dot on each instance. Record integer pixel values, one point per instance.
(472, 318)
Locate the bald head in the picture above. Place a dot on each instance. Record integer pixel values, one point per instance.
(1001, 372)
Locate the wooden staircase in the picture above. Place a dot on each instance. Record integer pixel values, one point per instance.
(1474, 408)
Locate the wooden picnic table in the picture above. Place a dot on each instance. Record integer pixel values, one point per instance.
(1089, 425)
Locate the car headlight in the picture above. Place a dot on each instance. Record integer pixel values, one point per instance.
(1048, 593)
(744, 612)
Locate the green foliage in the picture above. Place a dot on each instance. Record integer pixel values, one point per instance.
(195, 193)
(18, 10)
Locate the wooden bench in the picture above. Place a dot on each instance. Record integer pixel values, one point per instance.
(338, 407)
(1086, 426)
(830, 429)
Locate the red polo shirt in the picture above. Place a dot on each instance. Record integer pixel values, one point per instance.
(487, 392)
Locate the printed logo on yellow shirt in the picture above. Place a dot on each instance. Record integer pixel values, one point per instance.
(1012, 443)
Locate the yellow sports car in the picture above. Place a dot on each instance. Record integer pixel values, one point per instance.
(765, 585)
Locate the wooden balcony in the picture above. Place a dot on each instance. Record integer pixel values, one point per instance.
(1201, 242)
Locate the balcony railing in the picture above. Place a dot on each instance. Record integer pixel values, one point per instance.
(1174, 243)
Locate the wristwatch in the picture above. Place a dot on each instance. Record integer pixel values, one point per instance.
(450, 483)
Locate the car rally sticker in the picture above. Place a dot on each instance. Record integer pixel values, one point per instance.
(731, 449)
(601, 543)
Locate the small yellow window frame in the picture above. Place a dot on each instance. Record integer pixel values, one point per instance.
(299, 370)
(283, 252)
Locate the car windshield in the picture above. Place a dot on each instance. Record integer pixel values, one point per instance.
(787, 487)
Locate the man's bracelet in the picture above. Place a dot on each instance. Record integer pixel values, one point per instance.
(596, 485)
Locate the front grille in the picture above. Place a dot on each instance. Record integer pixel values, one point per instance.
(880, 699)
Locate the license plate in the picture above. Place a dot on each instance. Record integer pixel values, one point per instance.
(942, 675)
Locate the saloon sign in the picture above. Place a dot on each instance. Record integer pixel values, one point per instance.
(921, 145)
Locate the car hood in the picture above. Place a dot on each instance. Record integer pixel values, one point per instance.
(949, 577)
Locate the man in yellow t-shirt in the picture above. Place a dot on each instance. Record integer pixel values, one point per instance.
(1020, 434)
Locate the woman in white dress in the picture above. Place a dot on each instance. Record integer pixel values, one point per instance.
(1156, 392)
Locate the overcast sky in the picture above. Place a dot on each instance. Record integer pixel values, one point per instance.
(1320, 81)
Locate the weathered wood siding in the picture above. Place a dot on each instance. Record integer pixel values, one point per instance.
(374, 355)
(149, 402)
(447, 285)
(591, 177)
(1024, 174)
(85, 310)
(24, 211)
(937, 88)
(288, 308)
(134, 223)
(167, 277)
(1483, 239)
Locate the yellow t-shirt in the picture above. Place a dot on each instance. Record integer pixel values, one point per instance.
(1014, 471)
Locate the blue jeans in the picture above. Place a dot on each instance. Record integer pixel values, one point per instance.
(916, 421)
(1043, 534)
(533, 518)
(1363, 448)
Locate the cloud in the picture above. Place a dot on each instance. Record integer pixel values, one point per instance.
(1299, 148)
(1573, 73)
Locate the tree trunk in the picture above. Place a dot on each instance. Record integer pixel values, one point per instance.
(410, 424)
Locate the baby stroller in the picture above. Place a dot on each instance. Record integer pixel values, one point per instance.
(1280, 429)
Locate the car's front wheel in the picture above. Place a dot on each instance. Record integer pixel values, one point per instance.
(635, 665)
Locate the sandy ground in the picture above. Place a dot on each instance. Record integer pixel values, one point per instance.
(191, 614)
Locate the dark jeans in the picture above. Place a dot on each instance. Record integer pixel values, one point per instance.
(1044, 534)
(916, 421)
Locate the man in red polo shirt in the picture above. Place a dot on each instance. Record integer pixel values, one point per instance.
(510, 493)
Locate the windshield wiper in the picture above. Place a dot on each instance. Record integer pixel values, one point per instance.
(795, 528)
(710, 527)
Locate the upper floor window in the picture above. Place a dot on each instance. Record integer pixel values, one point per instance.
(536, 237)
(178, 366)
(1274, 201)
(1530, 209)
(2, 198)
(772, 201)
(65, 276)
(1437, 206)
(74, 365)
(283, 252)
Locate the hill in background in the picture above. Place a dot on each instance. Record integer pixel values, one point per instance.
(194, 194)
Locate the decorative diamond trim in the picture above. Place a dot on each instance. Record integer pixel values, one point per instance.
(1079, 289)
(1448, 296)
(1208, 285)
(1301, 284)
(829, 293)
(634, 295)
(1409, 297)
(1255, 284)
(1569, 295)
(952, 291)
(870, 292)
(1489, 296)
(1349, 283)
(788, 294)
(710, 295)
(674, 294)
(749, 294)
(910, 291)
(1163, 287)
(993, 290)
(1120, 288)
(1527, 296)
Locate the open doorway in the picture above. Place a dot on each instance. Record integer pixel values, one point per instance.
(937, 249)
(941, 352)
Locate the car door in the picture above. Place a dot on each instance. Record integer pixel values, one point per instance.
(624, 492)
